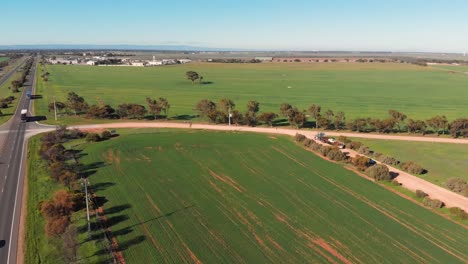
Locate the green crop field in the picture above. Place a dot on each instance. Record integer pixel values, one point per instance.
(458, 68)
(442, 160)
(3, 59)
(217, 197)
(360, 90)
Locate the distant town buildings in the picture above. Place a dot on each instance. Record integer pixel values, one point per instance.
(114, 61)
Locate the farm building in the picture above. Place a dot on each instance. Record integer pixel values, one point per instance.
(264, 58)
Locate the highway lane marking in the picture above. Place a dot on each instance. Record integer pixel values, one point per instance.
(16, 200)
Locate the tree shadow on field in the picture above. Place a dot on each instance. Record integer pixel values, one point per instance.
(101, 186)
(87, 170)
(114, 220)
(163, 216)
(309, 124)
(116, 209)
(184, 117)
(123, 245)
(280, 122)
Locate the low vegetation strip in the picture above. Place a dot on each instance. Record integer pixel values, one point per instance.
(442, 161)
(211, 197)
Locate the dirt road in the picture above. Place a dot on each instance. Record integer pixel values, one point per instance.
(409, 181)
(284, 131)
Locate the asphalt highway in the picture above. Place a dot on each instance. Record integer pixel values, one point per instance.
(12, 166)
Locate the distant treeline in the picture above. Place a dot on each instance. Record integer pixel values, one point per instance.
(235, 60)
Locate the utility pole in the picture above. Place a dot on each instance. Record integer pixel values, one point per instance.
(55, 109)
(229, 115)
(86, 182)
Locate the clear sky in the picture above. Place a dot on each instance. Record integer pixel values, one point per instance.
(391, 25)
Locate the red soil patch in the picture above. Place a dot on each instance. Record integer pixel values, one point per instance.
(228, 180)
(216, 188)
(323, 244)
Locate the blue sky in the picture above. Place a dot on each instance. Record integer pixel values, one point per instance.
(396, 25)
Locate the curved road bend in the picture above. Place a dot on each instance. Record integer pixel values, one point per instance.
(12, 166)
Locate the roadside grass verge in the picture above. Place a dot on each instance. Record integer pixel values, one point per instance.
(39, 248)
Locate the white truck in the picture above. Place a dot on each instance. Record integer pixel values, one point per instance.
(24, 115)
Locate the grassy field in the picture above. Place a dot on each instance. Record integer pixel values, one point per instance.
(216, 197)
(442, 161)
(360, 90)
(3, 59)
(459, 68)
(40, 249)
(5, 92)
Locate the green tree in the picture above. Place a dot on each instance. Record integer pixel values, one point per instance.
(154, 107)
(397, 117)
(192, 76)
(267, 117)
(207, 108)
(251, 115)
(340, 120)
(164, 106)
(76, 103)
(438, 123)
(314, 110)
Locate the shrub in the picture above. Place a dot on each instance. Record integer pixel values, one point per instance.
(92, 137)
(336, 154)
(458, 212)
(344, 139)
(388, 160)
(421, 194)
(3, 105)
(57, 212)
(106, 135)
(307, 142)
(456, 184)
(396, 183)
(361, 162)
(433, 203)
(325, 149)
(378, 155)
(315, 146)
(76, 133)
(364, 150)
(299, 137)
(412, 167)
(353, 145)
(379, 172)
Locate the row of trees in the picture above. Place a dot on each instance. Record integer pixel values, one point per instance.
(18, 83)
(378, 172)
(408, 166)
(77, 105)
(219, 113)
(64, 169)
